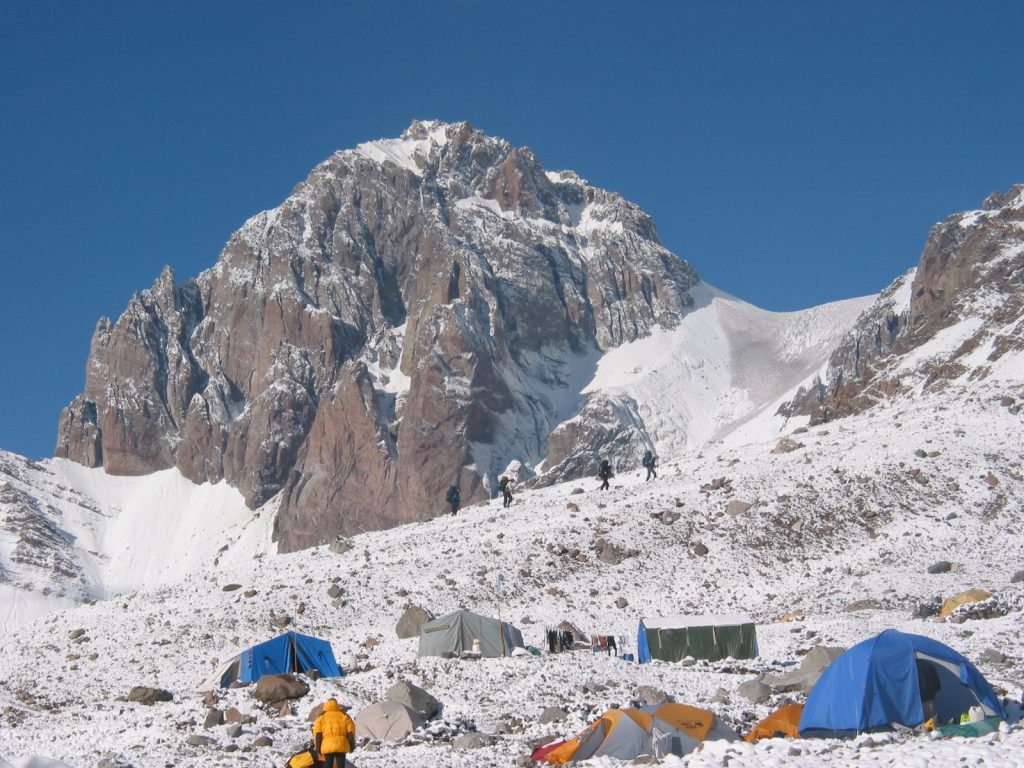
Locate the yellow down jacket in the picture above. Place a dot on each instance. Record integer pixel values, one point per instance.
(336, 728)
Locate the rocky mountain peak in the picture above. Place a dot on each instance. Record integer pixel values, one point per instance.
(420, 311)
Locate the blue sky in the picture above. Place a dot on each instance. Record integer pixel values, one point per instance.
(794, 152)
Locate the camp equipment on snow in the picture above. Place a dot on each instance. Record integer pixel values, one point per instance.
(307, 758)
(290, 652)
(455, 633)
(666, 729)
(878, 683)
(964, 598)
(784, 722)
(673, 638)
(387, 720)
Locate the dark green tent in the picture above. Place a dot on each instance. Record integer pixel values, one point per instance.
(673, 638)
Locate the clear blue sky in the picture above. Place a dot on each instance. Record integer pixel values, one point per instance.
(794, 152)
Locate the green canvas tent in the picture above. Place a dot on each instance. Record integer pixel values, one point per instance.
(456, 632)
(673, 638)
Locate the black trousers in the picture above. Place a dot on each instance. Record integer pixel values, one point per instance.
(507, 495)
(335, 760)
(604, 484)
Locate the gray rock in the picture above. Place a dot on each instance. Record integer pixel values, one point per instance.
(992, 656)
(787, 445)
(811, 668)
(234, 730)
(232, 715)
(334, 591)
(651, 696)
(231, 587)
(621, 602)
(413, 697)
(340, 546)
(214, 717)
(1018, 577)
(276, 688)
(594, 687)
(149, 696)
(112, 760)
(74, 634)
(552, 715)
(281, 621)
(610, 554)
(197, 740)
(942, 566)
(263, 741)
(472, 740)
(699, 549)
(412, 620)
(737, 507)
(755, 690)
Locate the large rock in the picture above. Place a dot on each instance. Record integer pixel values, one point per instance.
(276, 688)
(756, 691)
(412, 619)
(811, 668)
(413, 697)
(382, 298)
(149, 696)
(552, 715)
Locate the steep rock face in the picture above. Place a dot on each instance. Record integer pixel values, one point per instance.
(952, 316)
(418, 312)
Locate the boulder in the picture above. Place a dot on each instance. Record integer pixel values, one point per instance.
(621, 602)
(200, 741)
(234, 730)
(112, 760)
(552, 715)
(652, 696)
(472, 740)
(786, 445)
(232, 715)
(214, 717)
(992, 656)
(149, 696)
(737, 507)
(412, 620)
(264, 741)
(1018, 577)
(335, 591)
(862, 605)
(811, 668)
(414, 697)
(610, 554)
(942, 566)
(231, 587)
(700, 550)
(340, 545)
(276, 688)
(755, 690)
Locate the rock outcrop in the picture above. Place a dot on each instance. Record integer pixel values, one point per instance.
(951, 317)
(419, 312)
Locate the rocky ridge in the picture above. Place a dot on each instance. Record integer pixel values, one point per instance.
(949, 319)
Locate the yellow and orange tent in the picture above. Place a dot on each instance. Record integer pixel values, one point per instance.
(782, 722)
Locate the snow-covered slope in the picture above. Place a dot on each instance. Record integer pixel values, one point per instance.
(843, 527)
(727, 363)
(68, 533)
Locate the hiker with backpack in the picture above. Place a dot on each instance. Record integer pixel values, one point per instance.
(505, 486)
(605, 473)
(454, 498)
(649, 461)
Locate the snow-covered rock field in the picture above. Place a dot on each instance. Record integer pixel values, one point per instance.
(843, 527)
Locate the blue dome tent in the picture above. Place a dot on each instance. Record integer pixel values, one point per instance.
(290, 652)
(876, 684)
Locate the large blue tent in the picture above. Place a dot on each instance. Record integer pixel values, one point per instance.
(290, 652)
(875, 684)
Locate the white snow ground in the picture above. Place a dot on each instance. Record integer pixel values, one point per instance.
(840, 520)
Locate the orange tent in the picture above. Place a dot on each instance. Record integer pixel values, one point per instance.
(782, 722)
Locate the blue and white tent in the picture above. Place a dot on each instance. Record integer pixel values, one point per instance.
(876, 684)
(290, 652)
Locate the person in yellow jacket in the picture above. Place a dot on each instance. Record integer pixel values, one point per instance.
(334, 735)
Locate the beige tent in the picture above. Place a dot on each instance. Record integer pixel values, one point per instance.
(964, 598)
(387, 720)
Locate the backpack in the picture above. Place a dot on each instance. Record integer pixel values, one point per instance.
(648, 459)
(503, 483)
(453, 493)
(605, 470)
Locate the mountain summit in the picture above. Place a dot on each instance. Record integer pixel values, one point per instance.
(421, 311)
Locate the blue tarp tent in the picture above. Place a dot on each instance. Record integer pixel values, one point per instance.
(290, 652)
(876, 684)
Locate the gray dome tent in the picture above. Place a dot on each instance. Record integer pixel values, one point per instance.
(456, 632)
